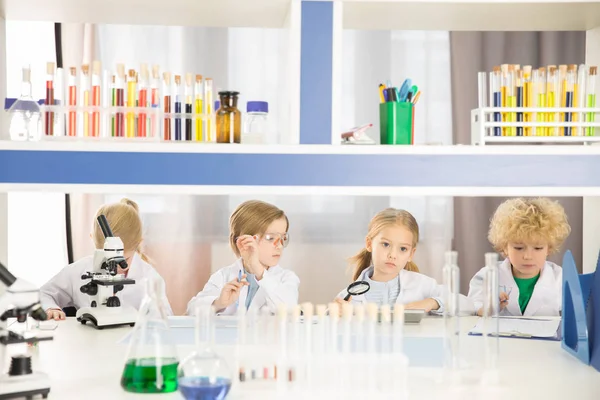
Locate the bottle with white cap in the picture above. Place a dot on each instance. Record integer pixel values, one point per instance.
(25, 121)
(255, 130)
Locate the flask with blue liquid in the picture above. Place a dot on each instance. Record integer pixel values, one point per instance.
(204, 375)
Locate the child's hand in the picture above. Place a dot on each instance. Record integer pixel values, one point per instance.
(503, 300)
(248, 247)
(230, 293)
(503, 297)
(427, 305)
(55, 314)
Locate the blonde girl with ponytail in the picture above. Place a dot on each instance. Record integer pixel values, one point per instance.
(386, 263)
(63, 290)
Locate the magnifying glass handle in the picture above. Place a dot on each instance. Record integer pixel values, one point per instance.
(347, 297)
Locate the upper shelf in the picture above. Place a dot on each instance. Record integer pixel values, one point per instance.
(472, 15)
(213, 13)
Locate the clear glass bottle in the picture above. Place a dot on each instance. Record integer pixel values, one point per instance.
(229, 118)
(25, 116)
(151, 362)
(491, 311)
(255, 130)
(204, 374)
(451, 277)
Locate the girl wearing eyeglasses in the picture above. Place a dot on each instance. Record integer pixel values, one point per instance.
(258, 233)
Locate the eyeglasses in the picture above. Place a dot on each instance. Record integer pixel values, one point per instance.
(276, 238)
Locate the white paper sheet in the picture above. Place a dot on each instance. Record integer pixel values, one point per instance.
(515, 326)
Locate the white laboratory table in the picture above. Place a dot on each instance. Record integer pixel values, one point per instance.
(86, 363)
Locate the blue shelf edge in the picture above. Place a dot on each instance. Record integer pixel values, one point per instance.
(321, 170)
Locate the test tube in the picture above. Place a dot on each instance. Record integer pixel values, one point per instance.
(553, 98)
(199, 110)
(178, 107)
(155, 100)
(400, 361)
(72, 83)
(120, 100)
(511, 98)
(166, 91)
(497, 96)
(451, 279)
(49, 117)
(345, 359)
(520, 100)
(571, 82)
(96, 82)
(542, 101)
(283, 356)
(371, 362)
(590, 96)
(308, 310)
(528, 96)
(580, 97)
(386, 360)
(320, 338)
(208, 104)
(334, 318)
(482, 89)
(242, 345)
(504, 82)
(491, 308)
(59, 97)
(131, 93)
(188, 105)
(143, 118)
(84, 87)
(106, 93)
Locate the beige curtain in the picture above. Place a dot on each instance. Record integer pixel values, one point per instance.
(473, 52)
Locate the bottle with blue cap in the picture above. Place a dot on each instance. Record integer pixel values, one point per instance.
(257, 122)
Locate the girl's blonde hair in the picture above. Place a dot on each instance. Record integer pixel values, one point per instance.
(253, 217)
(383, 219)
(520, 219)
(125, 222)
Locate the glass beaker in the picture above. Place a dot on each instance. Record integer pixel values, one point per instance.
(204, 375)
(25, 116)
(229, 118)
(151, 362)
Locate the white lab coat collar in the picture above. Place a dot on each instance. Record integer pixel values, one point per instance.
(134, 268)
(260, 295)
(368, 273)
(545, 282)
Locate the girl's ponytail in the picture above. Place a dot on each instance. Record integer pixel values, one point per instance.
(411, 266)
(362, 261)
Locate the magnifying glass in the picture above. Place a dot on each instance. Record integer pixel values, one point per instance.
(357, 288)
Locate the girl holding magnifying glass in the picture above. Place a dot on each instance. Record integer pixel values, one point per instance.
(385, 263)
(258, 233)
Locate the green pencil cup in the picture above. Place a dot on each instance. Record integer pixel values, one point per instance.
(396, 123)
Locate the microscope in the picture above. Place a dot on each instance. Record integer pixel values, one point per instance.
(104, 283)
(20, 300)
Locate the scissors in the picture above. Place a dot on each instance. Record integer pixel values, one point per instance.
(404, 89)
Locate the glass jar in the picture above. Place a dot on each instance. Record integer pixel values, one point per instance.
(255, 130)
(229, 118)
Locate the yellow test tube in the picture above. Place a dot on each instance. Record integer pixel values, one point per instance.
(199, 110)
(131, 94)
(527, 96)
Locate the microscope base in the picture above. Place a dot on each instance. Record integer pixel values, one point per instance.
(107, 317)
(29, 386)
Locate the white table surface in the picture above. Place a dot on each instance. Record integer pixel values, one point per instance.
(83, 362)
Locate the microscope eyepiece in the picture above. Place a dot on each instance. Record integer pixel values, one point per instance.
(103, 222)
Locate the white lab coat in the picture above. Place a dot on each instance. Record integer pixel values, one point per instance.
(546, 299)
(63, 289)
(414, 286)
(278, 286)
